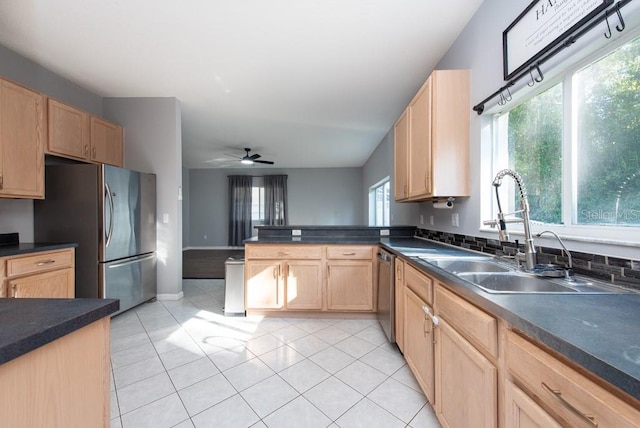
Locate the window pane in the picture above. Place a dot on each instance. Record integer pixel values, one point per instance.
(608, 138)
(534, 146)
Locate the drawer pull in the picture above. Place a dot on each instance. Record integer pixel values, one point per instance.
(558, 396)
(45, 262)
(348, 254)
(283, 253)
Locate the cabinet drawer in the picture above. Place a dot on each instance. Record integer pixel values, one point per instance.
(287, 252)
(39, 262)
(419, 283)
(569, 395)
(476, 325)
(348, 252)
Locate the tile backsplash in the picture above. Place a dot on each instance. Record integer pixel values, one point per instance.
(624, 272)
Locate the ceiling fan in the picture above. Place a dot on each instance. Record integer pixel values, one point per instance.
(251, 159)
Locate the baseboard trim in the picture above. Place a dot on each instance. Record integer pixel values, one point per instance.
(211, 248)
(176, 296)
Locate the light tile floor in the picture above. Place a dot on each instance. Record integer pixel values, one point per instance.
(184, 364)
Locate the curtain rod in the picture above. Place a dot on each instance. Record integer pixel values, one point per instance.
(568, 41)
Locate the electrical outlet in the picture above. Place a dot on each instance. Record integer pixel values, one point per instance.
(205, 237)
(431, 220)
(455, 220)
(296, 232)
(384, 232)
(421, 219)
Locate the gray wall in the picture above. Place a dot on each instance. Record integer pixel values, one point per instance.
(317, 196)
(16, 215)
(153, 129)
(185, 207)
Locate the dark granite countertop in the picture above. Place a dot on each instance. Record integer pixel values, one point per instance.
(599, 332)
(30, 247)
(30, 323)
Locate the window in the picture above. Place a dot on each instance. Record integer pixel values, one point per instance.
(379, 203)
(576, 145)
(257, 203)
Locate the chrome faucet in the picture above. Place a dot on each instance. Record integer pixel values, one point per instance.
(568, 271)
(501, 222)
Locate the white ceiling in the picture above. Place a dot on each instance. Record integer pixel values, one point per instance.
(306, 83)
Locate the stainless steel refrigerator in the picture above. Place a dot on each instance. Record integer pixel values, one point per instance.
(111, 213)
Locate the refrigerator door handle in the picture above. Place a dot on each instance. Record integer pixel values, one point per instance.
(109, 198)
(130, 262)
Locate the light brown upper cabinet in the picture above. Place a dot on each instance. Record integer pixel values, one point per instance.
(431, 146)
(76, 134)
(22, 141)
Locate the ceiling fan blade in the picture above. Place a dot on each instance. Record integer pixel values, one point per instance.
(254, 156)
(266, 162)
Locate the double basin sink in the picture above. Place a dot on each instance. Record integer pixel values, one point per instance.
(495, 276)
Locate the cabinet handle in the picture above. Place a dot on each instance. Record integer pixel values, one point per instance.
(286, 271)
(14, 288)
(283, 253)
(558, 396)
(45, 262)
(328, 271)
(434, 320)
(93, 152)
(86, 150)
(348, 254)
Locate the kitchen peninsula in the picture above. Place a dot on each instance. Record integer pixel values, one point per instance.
(54, 362)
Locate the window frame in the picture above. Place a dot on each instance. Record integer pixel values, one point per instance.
(606, 234)
(386, 216)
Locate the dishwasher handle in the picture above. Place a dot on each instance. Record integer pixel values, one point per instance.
(385, 257)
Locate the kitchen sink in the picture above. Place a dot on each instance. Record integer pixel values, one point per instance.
(522, 283)
(458, 265)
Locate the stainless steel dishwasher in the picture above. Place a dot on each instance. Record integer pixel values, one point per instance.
(386, 293)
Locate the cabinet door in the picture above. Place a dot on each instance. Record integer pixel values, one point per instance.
(466, 382)
(522, 412)
(418, 346)
(264, 287)
(54, 284)
(22, 134)
(401, 157)
(106, 142)
(420, 143)
(304, 284)
(399, 301)
(68, 131)
(350, 286)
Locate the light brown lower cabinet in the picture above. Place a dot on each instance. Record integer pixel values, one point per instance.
(572, 398)
(64, 383)
(309, 277)
(521, 411)
(466, 382)
(349, 285)
(399, 303)
(46, 274)
(419, 332)
(303, 284)
(264, 284)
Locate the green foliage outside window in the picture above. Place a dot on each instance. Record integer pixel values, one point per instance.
(608, 140)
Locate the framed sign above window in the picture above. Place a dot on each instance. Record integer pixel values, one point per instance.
(540, 27)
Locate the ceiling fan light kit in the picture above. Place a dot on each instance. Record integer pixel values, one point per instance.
(250, 160)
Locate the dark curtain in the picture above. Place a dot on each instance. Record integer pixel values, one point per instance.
(275, 200)
(239, 209)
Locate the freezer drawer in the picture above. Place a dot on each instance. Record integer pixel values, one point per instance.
(132, 280)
